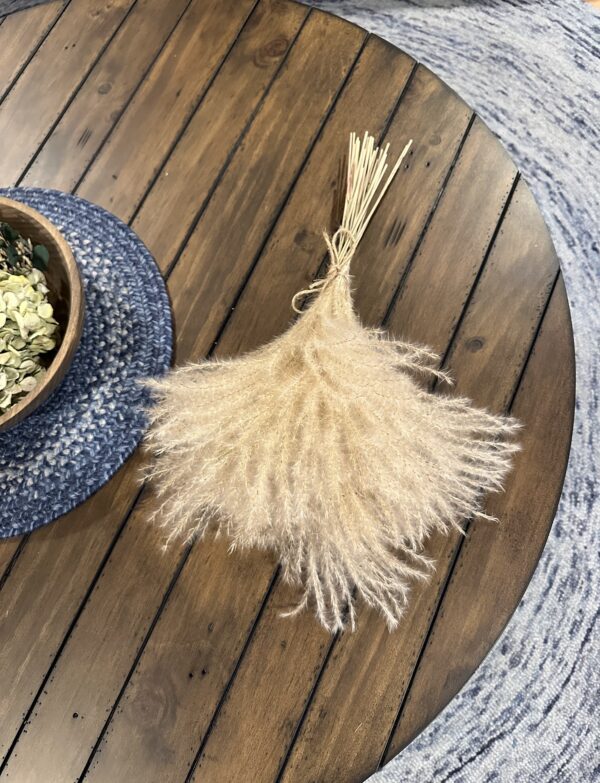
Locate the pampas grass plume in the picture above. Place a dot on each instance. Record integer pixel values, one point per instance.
(323, 446)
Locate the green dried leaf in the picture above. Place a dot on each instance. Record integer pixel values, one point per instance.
(8, 232)
(41, 257)
(12, 257)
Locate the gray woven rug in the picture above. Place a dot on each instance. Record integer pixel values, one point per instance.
(532, 71)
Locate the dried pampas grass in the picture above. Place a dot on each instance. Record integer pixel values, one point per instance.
(322, 446)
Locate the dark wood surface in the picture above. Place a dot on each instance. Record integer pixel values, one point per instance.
(214, 127)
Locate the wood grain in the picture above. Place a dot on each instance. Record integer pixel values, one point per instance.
(131, 157)
(216, 128)
(44, 591)
(496, 561)
(255, 186)
(88, 119)
(8, 551)
(207, 143)
(52, 77)
(448, 260)
(20, 35)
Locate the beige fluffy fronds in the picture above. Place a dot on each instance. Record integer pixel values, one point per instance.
(322, 446)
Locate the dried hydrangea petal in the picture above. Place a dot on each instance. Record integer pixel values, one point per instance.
(28, 329)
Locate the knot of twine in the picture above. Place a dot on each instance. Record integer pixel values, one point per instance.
(341, 247)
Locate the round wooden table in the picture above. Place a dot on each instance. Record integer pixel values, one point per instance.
(215, 127)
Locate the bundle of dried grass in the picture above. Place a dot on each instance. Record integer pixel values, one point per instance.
(322, 446)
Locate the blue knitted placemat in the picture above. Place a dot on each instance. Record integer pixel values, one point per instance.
(63, 452)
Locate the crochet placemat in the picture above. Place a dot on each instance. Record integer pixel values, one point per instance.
(63, 452)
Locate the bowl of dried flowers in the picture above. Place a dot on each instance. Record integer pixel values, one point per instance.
(41, 310)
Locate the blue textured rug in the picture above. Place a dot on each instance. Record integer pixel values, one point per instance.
(63, 452)
(532, 71)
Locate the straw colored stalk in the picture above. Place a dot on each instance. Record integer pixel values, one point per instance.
(322, 445)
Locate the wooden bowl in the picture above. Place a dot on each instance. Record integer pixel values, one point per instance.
(65, 295)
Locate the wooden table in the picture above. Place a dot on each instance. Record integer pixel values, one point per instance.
(214, 127)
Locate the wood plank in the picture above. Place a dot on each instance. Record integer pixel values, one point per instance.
(497, 561)
(55, 551)
(162, 715)
(45, 589)
(516, 281)
(20, 36)
(205, 147)
(450, 256)
(166, 743)
(235, 210)
(261, 748)
(132, 156)
(292, 256)
(52, 77)
(104, 94)
(367, 696)
(443, 119)
(8, 549)
(88, 674)
(96, 660)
